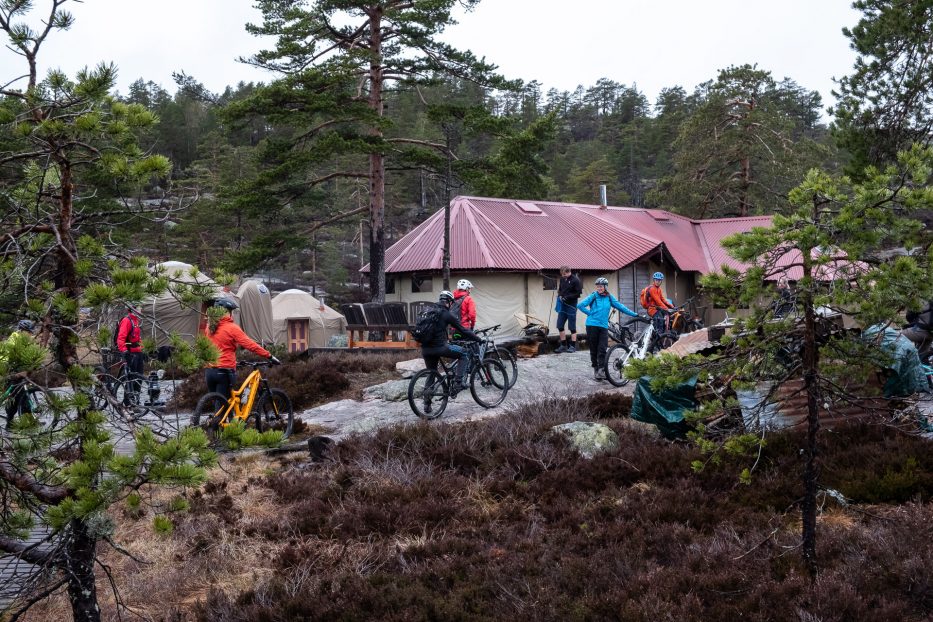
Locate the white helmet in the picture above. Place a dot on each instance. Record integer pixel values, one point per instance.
(464, 284)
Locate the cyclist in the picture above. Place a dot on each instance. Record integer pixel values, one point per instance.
(435, 345)
(466, 303)
(657, 302)
(597, 306)
(568, 293)
(130, 346)
(19, 398)
(227, 336)
(784, 304)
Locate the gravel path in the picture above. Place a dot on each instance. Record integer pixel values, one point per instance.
(549, 375)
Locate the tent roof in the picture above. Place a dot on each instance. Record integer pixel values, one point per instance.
(299, 304)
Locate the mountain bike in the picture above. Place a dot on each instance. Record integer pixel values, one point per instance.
(499, 353)
(630, 347)
(120, 390)
(684, 319)
(20, 397)
(255, 403)
(430, 389)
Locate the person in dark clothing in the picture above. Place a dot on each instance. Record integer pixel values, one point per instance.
(436, 345)
(785, 303)
(920, 330)
(19, 402)
(130, 346)
(568, 293)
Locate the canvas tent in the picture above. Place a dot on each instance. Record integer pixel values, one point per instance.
(166, 314)
(255, 312)
(301, 321)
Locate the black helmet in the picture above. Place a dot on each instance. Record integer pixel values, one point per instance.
(226, 303)
(26, 325)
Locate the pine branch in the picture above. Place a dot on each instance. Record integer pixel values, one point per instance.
(27, 483)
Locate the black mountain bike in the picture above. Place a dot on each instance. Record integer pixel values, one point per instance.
(430, 389)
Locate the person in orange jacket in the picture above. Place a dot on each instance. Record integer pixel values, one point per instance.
(227, 336)
(468, 306)
(657, 301)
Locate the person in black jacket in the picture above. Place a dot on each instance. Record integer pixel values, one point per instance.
(919, 330)
(568, 293)
(436, 345)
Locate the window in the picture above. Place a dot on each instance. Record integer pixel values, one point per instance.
(421, 283)
(550, 282)
(390, 284)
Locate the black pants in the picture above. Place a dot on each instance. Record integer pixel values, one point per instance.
(135, 361)
(597, 339)
(220, 379)
(18, 401)
(433, 355)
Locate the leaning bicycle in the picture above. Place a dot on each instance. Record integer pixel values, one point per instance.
(430, 389)
(629, 347)
(255, 403)
(499, 353)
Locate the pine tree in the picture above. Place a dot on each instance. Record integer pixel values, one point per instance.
(337, 60)
(68, 151)
(840, 237)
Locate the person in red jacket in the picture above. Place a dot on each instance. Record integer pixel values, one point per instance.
(468, 306)
(130, 346)
(227, 336)
(657, 301)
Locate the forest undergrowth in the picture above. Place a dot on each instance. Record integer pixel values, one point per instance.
(500, 519)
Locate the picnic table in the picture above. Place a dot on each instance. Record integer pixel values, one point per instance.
(380, 325)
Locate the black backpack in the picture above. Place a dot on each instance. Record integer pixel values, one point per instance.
(428, 324)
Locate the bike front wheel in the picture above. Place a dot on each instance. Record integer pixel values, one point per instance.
(617, 359)
(275, 412)
(504, 356)
(427, 394)
(489, 383)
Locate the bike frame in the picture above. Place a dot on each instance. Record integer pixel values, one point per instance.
(641, 346)
(240, 410)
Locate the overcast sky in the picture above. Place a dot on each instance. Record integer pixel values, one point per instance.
(560, 43)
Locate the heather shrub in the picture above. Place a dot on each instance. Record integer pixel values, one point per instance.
(500, 520)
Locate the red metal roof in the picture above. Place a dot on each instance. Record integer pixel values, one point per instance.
(503, 234)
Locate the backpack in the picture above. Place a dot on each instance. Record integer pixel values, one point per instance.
(455, 308)
(427, 325)
(644, 299)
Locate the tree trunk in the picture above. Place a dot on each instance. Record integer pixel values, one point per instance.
(79, 568)
(811, 384)
(377, 181)
(67, 281)
(445, 265)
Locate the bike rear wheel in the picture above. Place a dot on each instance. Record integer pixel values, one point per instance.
(489, 383)
(275, 412)
(617, 359)
(427, 394)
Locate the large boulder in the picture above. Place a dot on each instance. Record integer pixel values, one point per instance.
(409, 368)
(392, 391)
(589, 438)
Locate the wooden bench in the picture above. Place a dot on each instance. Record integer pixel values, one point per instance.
(378, 325)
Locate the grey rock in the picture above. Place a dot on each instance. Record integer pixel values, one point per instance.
(588, 438)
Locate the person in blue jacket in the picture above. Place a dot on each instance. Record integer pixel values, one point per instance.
(597, 307)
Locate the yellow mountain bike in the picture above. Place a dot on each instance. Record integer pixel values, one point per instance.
(254, 403)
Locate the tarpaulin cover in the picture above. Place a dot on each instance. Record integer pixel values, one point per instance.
(664, 409)
(907, 377)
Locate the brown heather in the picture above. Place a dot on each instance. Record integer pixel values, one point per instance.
(500, 520)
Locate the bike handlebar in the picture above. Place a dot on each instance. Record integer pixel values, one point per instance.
(489, 329)
(265, 363)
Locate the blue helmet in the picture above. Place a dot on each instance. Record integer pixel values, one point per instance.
(658, 275)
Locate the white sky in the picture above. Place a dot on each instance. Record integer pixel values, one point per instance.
(560, 43)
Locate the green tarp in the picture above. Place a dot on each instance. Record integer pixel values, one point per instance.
(907, 375)
(664, 409)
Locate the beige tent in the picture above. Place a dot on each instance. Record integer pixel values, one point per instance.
(255, 313)
(302, 322)
(166, 314)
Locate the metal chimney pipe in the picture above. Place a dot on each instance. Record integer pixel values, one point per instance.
(602, 196)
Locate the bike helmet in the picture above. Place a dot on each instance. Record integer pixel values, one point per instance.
(445, 297)
(226, 303)
(602, 281)
(26, 325)
(464, 284)
(658, 275)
